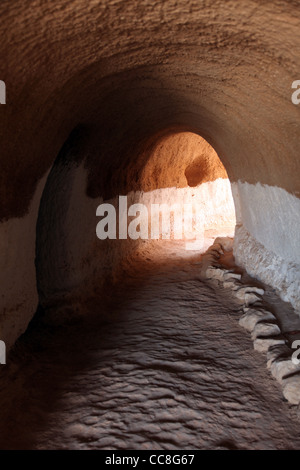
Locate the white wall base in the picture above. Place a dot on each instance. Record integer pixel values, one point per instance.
(267, 266)
(19, 297)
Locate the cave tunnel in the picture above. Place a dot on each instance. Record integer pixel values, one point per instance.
(172, 167)
(120, 333)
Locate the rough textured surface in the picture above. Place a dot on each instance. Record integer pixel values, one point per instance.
(170, 371)
(272, 333)
(159, 164)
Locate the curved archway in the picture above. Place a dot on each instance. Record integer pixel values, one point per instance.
(175, 171)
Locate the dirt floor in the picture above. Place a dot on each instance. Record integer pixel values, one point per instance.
(166, 367)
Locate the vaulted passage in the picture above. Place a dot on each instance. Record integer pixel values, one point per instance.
(149, 208)
(180, 191)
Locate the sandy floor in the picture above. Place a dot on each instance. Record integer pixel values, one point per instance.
(169, 368)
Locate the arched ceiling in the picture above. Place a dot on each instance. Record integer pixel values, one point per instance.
(126, 70)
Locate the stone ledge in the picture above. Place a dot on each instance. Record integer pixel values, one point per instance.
(257, 319)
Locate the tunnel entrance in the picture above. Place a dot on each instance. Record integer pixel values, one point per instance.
(182, 169)
(178, 169)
